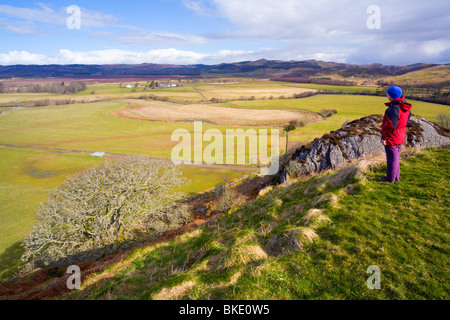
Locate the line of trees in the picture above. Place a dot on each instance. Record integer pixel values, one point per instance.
(324, 81)
(56, 88)
(47, 102)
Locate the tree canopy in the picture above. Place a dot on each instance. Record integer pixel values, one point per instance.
(99, 210)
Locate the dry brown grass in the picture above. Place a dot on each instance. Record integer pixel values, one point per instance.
(169, 112)
(312, 214)
(175, 292)
(330, 198)
(242, 255)
(308, 234)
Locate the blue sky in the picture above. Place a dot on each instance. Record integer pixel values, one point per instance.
(215, 31)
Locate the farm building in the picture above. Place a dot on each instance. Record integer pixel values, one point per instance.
(168, 85)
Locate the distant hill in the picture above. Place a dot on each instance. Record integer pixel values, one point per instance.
(432, 74)
(260, 68)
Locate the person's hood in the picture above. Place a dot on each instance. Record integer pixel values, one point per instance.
(405, 106)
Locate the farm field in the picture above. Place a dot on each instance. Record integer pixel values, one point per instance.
(91, 127)
(343, 89)
(187, 93)
(348, 107)
(202, 92)
(28, 174)
(169, 112)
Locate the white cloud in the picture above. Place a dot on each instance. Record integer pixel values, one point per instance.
(402, 52)
(26, 27)
(160, 38)
(47, 15)
(411, 30)
(435, 47)
(115, 56)
(289, 19)
(124, 34)
(201, 7)
(22, 57)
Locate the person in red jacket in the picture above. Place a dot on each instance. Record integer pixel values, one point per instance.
(393, 131)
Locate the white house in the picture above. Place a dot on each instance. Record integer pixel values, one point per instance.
(129, 86)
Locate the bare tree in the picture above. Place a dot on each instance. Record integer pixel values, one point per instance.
(443, 119)
(101, 209)
(287, 129)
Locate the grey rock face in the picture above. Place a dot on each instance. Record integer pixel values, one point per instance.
(426, 134)
(360, 139)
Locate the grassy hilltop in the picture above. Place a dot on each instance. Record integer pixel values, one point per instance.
(313, 239)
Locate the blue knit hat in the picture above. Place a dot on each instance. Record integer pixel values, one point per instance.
(395, 92)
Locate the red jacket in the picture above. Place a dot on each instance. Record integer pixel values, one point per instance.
(395, 121)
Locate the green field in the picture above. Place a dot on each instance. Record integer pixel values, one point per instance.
(343, 89)
(89, 126)
(188, 93)
(28, 174)
(349, 107)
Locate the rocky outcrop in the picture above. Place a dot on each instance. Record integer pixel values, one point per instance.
(358, 139)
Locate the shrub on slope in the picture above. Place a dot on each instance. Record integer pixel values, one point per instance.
(97, 211)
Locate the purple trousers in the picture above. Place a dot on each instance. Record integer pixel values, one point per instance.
(393, 162)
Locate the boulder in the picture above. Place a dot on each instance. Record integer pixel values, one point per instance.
(359, 139)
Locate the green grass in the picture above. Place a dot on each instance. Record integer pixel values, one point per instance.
(402, 228)
(28, 175)
(343, 89)
(114, 91)
(90, 127)
(202, 179)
